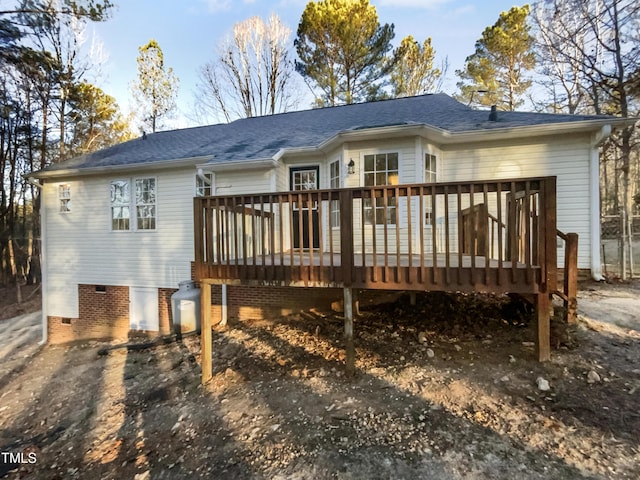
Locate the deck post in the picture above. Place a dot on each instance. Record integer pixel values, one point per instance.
(346, 237)
(543, 343)
(206, 357)
(571, 276)
(348, 332)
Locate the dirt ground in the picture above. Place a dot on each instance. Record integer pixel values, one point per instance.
(446, 389)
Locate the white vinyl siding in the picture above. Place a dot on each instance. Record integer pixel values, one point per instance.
(567, 158)
(82, 249)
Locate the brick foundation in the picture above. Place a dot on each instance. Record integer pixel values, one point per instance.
(104, 314)
(246, 303)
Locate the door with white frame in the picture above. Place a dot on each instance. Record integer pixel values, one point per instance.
(143, 309)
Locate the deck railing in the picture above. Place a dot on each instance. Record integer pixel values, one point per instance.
(485, 235)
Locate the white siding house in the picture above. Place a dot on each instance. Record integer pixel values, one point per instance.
(421, 139)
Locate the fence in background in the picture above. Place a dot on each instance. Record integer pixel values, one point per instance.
(620, 247)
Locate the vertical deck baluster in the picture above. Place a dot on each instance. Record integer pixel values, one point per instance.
(421, 232)
(243, 217)
(396, 193)
(527, 232)
(254, 246)
(291, 260)
(385, 207)
(447, 246)
(434, 234)
(513, 231)
(500, 229)
(331, 262)
(300, 234)
(218, 227)
(234, 216)
(272, 237)
(280, 201)
(320, 234)
(488, 248)
(460, 234)
(311, 233)
(222, 212)
(474, 222)
(263, 243)
(409, 235)
(208, 233)
(363, 224)
(373, 237)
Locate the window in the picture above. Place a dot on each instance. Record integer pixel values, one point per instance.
(120, 201)
(204, 187)
(143, 204)
(430, 168)
(146, 203)
(430, 176)
(380, 169)
(334, 182)
(64, 195)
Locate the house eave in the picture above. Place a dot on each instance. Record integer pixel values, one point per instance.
(111, 169)
(446, 137)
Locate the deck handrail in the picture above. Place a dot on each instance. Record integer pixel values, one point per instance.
(470, 235)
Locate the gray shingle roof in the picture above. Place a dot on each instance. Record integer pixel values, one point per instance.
(263, 137)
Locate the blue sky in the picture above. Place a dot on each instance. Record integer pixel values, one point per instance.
(189, 31)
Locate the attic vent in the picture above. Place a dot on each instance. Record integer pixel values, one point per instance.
(493, 116)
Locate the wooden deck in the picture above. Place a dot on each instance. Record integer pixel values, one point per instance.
(489, 236)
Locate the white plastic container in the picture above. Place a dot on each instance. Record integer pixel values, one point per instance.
(185, 307)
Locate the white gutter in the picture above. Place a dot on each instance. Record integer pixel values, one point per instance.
(109, 169)
(594, 194)
(236, 165)
(445, 137)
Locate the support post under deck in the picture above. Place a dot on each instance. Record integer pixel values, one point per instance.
(543, 343)
(206, 357)
(348, 332)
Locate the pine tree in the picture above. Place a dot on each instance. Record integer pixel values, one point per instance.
(157, 86)
(343, 50)
(495, 73)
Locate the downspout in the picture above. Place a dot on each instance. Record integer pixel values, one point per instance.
(594, 194)
(43, 257)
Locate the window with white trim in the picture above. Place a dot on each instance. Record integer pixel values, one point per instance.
(143, 203)
(64, 195)
(204, 186)
(380, 169)
(146, 203)
(430, 176)
(430, 164)
(334, 182)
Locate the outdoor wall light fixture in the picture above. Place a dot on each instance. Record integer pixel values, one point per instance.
(351, 167)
